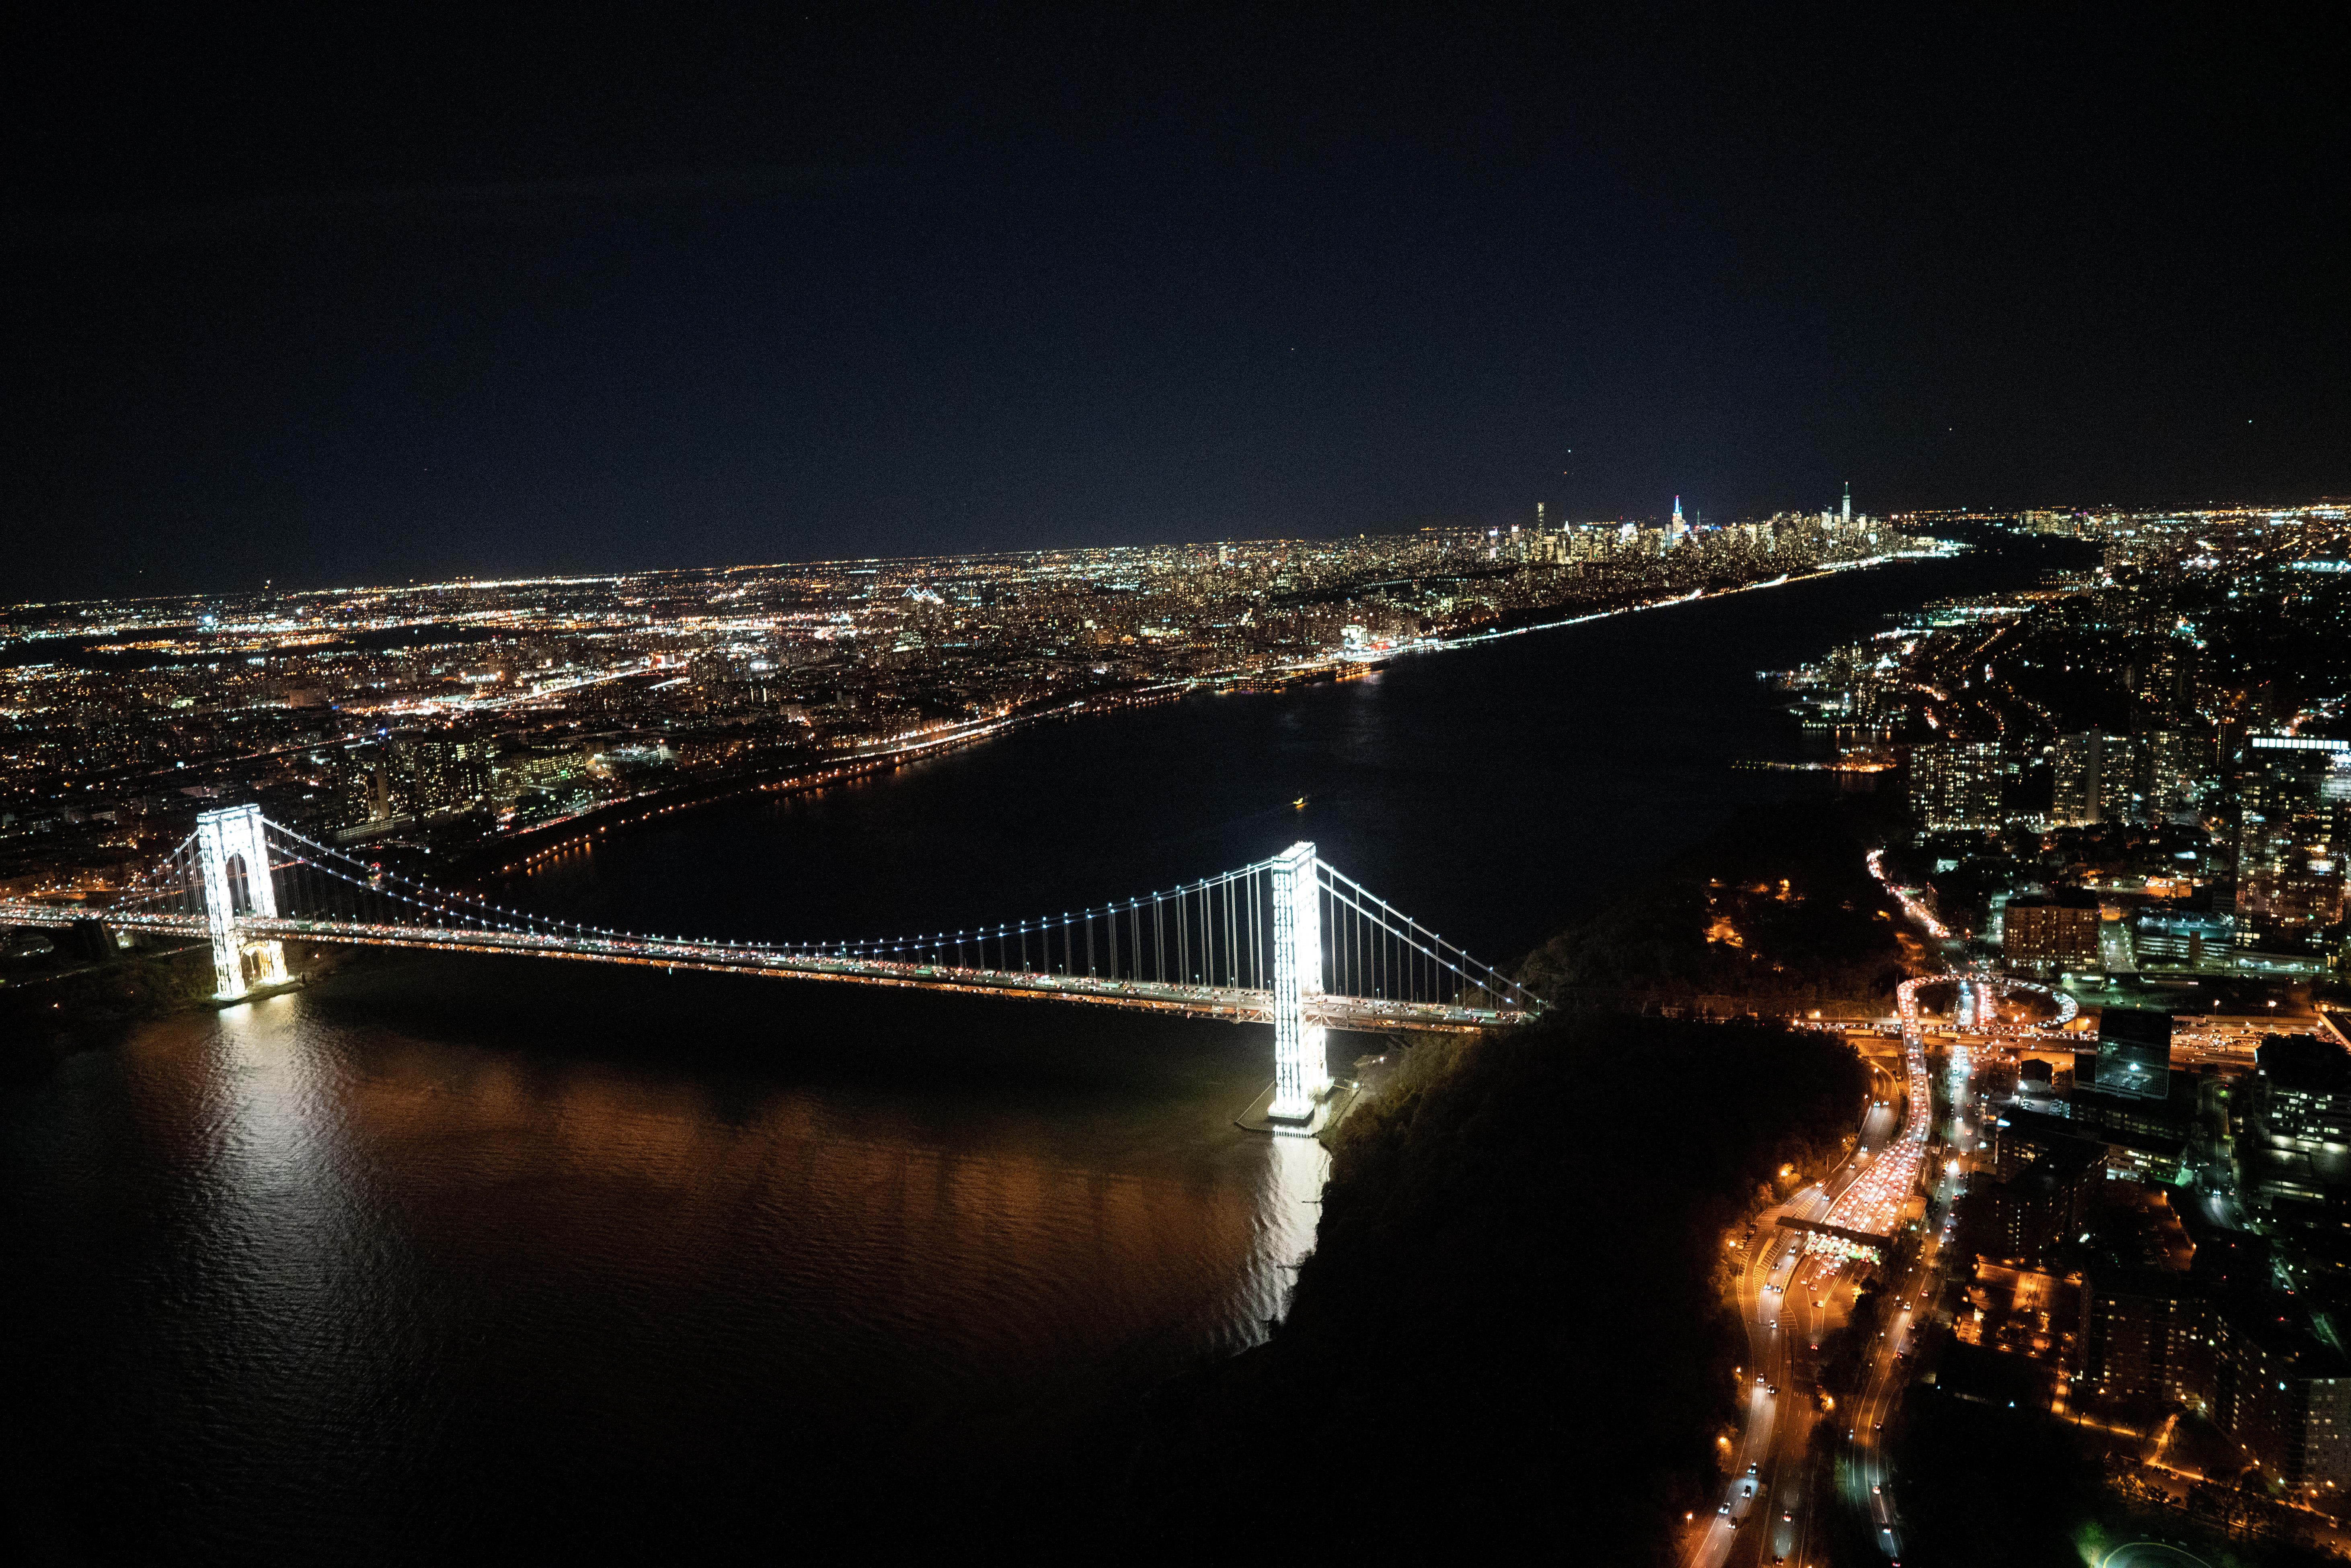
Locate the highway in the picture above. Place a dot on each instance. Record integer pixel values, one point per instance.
(1791, 1295)
(1791, 1299)
(1788, 1301)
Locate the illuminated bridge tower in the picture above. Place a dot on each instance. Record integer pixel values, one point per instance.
(234, 859)
(1300, 1078)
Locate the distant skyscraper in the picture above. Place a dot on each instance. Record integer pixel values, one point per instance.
(1848, 503)
(1676, 530)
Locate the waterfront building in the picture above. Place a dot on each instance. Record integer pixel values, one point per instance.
(437, 773)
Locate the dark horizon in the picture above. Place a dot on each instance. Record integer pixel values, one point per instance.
(354, 305)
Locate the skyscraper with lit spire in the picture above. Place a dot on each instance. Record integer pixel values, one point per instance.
(1848, 503)
(1675, 531)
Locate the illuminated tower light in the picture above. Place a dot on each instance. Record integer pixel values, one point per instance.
(235, 833)
(1300, 1076)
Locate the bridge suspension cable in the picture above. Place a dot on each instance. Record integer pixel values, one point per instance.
(1287, 939)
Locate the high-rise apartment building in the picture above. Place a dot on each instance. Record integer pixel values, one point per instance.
(2243, 1356)
(2293, 827)
(1956, 784)
(2147, 1334)
(435, 773)
(2040, 934)
(2301, 1115)
(2073, 767)
(2176, 770)
(2093, 781)
(2282, 1394)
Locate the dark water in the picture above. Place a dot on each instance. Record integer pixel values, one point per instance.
(447, 1252)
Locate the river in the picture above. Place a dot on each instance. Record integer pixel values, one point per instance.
(454, 1252)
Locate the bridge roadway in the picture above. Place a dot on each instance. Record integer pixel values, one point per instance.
(1236, 1005)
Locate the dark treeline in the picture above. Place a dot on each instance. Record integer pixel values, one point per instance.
(138, 985)
(1985, 1484)
(1776, 904)
(1983, 1481)
(1513, 1328)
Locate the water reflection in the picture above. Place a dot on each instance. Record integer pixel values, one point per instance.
(1287, 1208)
(373, 1252)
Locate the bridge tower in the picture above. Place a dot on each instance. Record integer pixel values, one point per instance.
(1300, 1076)
(232, 837)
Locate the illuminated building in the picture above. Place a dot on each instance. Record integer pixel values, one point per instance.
(2244, 1355)
(2041, 934)
(2282, 1393)
(440, 773)
(2147, 1334)
(2301, 1110)
(2042, 1187)
(2293, 799)
(2093, 780)
(1955, 785)
(2182, 936)
(2177, 771)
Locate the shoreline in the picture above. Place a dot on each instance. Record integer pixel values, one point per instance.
(1220, 683)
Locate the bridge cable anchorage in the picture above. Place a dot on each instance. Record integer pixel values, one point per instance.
(1288, 940)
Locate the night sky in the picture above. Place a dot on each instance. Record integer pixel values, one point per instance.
(324, 304)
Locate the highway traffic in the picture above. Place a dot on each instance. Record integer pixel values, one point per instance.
(1797, 1286)
(1791, 1300)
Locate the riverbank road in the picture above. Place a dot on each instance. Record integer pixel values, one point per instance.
(1787, 1302)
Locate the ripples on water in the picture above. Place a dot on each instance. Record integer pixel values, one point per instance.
(457, 1250)
(343, 1267)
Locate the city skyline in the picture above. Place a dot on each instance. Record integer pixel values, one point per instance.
(2087, 514)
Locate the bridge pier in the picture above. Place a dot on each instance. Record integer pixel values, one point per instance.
(231, 848)
(1301, 1075)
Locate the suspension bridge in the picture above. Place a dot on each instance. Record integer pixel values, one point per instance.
(1290, 941)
